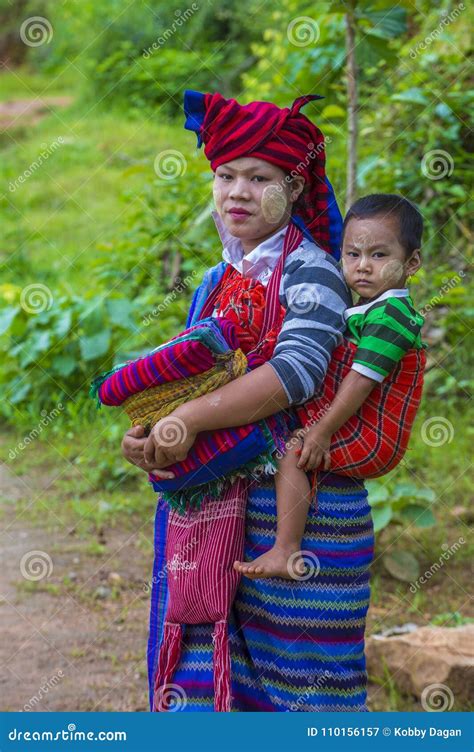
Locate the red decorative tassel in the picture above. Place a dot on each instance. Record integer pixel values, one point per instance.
(222, 696)
(168, 659)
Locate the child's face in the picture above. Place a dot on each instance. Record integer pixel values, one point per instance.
(373, 260)
(254, 199)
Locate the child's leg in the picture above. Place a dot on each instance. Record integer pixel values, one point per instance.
(293, 500)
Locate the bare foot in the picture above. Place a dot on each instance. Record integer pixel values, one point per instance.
(278, 562)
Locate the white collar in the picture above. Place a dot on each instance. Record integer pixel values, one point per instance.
(402, 292)
(260, 262)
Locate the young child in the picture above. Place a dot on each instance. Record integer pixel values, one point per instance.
(380, 251)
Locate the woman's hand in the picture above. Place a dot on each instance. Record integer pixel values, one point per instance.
(133, 444)
(315, 451)
(169, 441)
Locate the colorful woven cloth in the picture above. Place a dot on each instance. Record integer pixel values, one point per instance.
(201, 549)
(282, 136)
(196, 362)
(373, 441)
(294, 645)
(192, 352)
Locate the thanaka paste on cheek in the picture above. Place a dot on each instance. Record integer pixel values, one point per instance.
(274, 204)
(392, 272)
(217, 197)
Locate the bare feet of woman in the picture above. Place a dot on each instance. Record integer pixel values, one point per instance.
(278, 562)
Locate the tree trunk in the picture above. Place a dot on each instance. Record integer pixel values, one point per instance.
(351, 67)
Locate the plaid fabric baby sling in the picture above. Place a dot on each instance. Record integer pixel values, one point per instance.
(202, 545)
(374, 440)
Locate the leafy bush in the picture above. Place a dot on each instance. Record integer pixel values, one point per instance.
(404, 503)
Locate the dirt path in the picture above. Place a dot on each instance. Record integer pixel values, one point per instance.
(74, 620)
(20, 112)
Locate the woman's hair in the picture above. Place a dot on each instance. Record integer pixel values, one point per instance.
(384, 205)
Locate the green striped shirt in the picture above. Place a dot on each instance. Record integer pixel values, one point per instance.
(383, 330)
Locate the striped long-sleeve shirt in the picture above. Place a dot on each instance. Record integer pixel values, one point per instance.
(383, 330)
(314, 295)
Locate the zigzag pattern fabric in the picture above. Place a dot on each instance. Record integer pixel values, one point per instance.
(295, 646)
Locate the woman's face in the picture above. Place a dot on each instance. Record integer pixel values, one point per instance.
(254, 198)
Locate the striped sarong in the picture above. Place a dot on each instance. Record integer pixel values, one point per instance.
(295, 645)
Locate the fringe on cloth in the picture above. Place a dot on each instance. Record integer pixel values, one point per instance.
(265, 464)
(221, 661)
(168, 660)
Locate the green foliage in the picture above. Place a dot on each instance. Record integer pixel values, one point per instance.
(121, 247)
(48, 355)
(403, 503)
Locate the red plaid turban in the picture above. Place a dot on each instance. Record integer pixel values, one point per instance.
(283, 136)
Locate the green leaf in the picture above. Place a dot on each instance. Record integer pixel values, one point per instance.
(377, 492)
(120, 310)
(387, 23)
(20, 393)
(6, 317)
(418, 515)
(411, 491)
(402, 565)
(63, 323)
(95, 346)
(63, 365)
(413, 95)
(333, 111)
(381, 516)
(34, 346)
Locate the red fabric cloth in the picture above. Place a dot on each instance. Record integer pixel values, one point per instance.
(373, 441)
(283, 136)
(242, 301)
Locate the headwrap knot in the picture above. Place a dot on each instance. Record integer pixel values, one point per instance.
(283, 136)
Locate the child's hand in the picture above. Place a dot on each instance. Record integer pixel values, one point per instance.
(315, 450)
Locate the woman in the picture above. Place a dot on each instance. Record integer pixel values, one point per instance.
(295, 644)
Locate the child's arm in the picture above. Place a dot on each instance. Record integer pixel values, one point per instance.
(352, 393)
